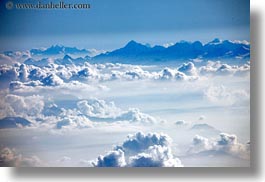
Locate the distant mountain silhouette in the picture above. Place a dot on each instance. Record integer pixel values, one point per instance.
(66, 60)
(13, 122)
(58, 49)
(215, 49)
(134, 52)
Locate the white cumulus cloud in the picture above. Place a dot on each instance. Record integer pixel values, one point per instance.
(228, 143)
(140, 150)
(9, 158)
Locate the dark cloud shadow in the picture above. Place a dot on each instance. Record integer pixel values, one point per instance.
(251, 172)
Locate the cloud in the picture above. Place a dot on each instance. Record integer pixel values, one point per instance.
(45, 62)
(37, 73)
(87, 73)
(155, 156)
(7, 74)
(111, 159)
(65, 159)
(202, 126)
(169, 74)
(91, 112)
(17, 56)
(73, 122)
(140, 150)
(52, 80)
(202, 117)
(222, 95)
(200, 144)
(4, 59)
(166, 45)
(9, 158)
(180, 123)
(51, 74)
(95, 52)
(85, 114)
(98, 108)
(140, 142)
(15, 105)
(188, 69)
(221, 69)
(134, 115)
(52, 110)
(227, 143)
(23, 73)
(137, 73)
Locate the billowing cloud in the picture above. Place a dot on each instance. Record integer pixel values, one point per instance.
(171, 74)
(86, 74)
(222, 95)
(23, 73)
(188, 69)
(9, 158)
(7, 74)
(101, 110)
(134, 115)
(98, 108)
(227, 143)
(4, 59)
(94, 111)
(166, 45)
(140, 142)
(15, 105)
(52, 80)
(140, 150)
(73, 122)
(221, 69)
(95, 52)
(200, 144)
(111, 159)
(155, 156)
(37, 74)
(85, 114)
(17, 56)
(48, 73)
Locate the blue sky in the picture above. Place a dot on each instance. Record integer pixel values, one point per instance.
(110, 24)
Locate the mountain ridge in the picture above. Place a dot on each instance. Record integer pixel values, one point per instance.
(135, 53)
(215, 49)
(58, 49)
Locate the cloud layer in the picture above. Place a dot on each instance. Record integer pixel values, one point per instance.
(83, 114)
(52, 74)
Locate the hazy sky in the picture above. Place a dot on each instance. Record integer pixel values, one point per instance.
(111, 23)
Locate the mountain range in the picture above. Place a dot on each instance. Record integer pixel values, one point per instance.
(135, 53)
(66, 60)
(58, 49)
(13, 122)
(215, 49)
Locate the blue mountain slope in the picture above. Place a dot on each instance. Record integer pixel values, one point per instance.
(137, 53)
(58, 49)
(215, 49)
(13, 122)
